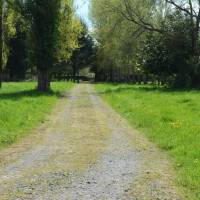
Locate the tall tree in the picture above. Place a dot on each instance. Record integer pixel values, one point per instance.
(82, 57)
(118, 41)
(69, 29)
(7, 8)
(45, 20)
(17, 63)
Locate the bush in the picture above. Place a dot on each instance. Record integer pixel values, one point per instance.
(170, 55)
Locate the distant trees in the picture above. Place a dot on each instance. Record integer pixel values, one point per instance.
(133, 39)
(83, 56)
(159, 38)
(37, 36)
(117, 46)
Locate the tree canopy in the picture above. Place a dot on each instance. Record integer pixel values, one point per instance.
(129, 39)
(158, 38)
(36, 36)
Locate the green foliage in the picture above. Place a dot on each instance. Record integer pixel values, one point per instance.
(9, 29)
(23, 108)
(38, 36)
(55, 32)
(83, 56)
(167, 55)
(51, 31)
(69, 30)
(45, 23)
(145, 36)
(115, 36)
(51, 51)
(170, 119)
(17, 63)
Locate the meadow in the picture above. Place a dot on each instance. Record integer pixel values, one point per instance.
(23, 108)
(169, 118)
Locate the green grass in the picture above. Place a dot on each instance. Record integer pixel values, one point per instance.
(169, 118)
(22, 108)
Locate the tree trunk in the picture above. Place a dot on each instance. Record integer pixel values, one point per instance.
(78, 80)
(196, 35)
(74, 73)
(1, 41)
(43, 81)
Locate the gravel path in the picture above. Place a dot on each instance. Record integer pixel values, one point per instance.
(86, 151)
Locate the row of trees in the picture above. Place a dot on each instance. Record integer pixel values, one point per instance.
(156, 38)
(40, 37)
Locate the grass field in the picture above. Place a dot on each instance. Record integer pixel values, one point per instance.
(22, 108)
(169, 118)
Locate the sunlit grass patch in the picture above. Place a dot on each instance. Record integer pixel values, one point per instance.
(22, 108)
(169, 118)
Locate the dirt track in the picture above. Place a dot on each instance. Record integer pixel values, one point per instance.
(85, 151)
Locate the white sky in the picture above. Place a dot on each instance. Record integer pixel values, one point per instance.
(82, 9)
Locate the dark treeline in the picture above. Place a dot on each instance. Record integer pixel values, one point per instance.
(145, 40)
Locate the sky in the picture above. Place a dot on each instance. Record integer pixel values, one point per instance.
(82, 9)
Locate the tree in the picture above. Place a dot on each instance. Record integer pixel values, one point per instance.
(53, 38)
(45, 21)
(37, 34)
(7, 8)
(69, 29)
(17, 63)
(170, 29)
(118, 42)
(144, 14)
(83, 56)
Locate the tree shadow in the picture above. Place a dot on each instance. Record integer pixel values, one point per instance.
(33, 93)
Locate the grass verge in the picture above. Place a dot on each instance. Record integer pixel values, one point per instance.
(22, 108)
(169, 118)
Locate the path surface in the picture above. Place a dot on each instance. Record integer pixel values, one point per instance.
(86, 151)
